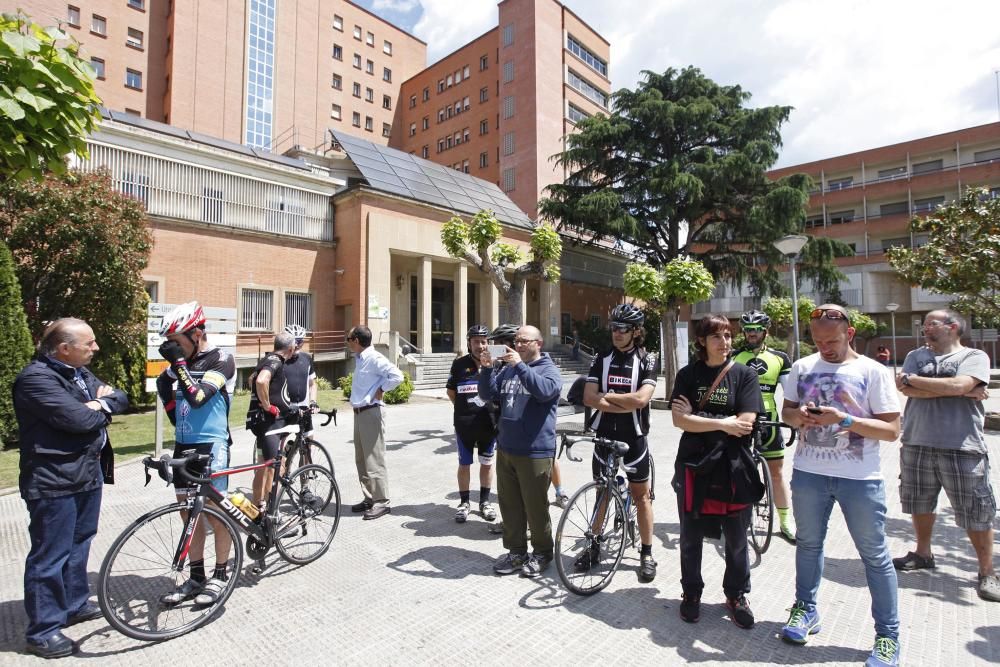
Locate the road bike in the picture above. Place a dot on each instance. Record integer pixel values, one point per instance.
(303, 450)
(145, 567)
(762, 519)
(599, 521)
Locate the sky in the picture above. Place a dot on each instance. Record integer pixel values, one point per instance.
(859, 74)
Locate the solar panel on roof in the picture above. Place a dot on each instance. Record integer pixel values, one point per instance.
(394, 171)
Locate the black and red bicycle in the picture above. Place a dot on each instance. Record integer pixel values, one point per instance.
(144, 586)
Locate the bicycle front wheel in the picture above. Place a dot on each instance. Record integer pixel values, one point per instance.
(590, 539)
(309, 452)
(142, 594)
(308, 514)
(762, 520)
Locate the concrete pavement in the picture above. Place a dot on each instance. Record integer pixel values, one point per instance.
(416, 588)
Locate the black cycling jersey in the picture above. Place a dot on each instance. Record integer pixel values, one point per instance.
(470, 409)
(618, 372)
(298, 370)
(277, 392)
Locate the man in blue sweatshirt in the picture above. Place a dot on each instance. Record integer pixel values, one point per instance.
(527, 387)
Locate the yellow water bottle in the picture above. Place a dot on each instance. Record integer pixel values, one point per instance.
(244, 504)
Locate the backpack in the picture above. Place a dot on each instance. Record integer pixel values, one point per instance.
(575, 394)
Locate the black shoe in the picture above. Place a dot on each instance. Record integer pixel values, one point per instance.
(57, 645)
(739, 611)
(87, 612)
(375, 511)
(690, 608)
(647, 568)
(363, 506)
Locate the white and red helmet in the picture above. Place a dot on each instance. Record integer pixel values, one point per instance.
(183, 318)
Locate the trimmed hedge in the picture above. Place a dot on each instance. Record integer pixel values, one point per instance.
(400, 394)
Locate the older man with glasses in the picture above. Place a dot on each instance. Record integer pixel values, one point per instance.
(527, 387)
(944, 446)
(844, 406)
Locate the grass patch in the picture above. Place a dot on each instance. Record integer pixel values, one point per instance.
(134, 435)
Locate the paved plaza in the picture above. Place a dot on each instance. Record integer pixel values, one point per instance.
(416, 588)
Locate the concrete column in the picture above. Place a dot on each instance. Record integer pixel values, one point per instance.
(549, 308)
(492, 298)
(461, 304)
(424, 305)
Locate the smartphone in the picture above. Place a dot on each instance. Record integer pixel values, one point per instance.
(815, 411)
(497, 351)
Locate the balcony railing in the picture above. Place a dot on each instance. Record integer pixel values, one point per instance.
(184, 191)
(837, 186)
(317, 342)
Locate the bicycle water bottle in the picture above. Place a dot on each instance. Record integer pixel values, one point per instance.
(244, 504)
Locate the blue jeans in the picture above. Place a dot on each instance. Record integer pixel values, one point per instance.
(863, 505)
(55, 571)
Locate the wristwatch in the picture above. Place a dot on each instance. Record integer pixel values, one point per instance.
(846, 421)
(905, 379)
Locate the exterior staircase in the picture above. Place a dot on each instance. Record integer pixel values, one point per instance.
(570, 369)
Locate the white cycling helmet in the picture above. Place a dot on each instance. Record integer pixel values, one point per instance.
(182, 319)
(298, 332)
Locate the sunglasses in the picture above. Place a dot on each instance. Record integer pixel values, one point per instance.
(621, 328)
(753, 329)
(829, 314)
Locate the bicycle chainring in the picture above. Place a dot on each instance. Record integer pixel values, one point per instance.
(256, 549)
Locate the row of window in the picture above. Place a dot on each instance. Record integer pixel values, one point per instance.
(134, 38)
(338, 84)
(257, 309)
(451, 140)
(133, 78)
(338, 24)
(453, 110)
(587, 56)
(454, 79)
(336, 113)
(451, 80)
(588, 89)
(338, 54)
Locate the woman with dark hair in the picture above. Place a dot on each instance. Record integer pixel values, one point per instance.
(715, 402)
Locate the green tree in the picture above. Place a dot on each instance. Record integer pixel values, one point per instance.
(680, 281)
(79, 249)
(679, 169)
(961, 256)
(15, 342)
(779, 309)
(478, 243)
(47, 101)
(865, 328)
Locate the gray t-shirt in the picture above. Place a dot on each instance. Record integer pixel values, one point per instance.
(948, 422)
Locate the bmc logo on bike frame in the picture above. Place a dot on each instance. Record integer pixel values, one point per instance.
(235, 512)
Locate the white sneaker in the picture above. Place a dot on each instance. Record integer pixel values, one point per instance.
(462, 514)
(211, 592)
(185, 591)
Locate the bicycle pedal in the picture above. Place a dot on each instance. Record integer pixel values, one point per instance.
(259, 567)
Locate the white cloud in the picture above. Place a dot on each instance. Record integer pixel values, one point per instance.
(860, 74)
(399, 6)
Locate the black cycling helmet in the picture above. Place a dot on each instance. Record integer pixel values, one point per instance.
(755, 318)
(627, 313)
(478, 330)
(504, 333)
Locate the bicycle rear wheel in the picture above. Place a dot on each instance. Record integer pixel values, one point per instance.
(138, 574)
(309, 452)
(762, 520)
(587, 559)
(308, 514)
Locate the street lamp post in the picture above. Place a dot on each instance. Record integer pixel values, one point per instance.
(790, 246)
(892, 308)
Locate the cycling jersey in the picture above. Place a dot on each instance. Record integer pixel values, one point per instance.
(298, 370)
(771, 367)
(620, 372)
(277, 389)
(470, 409)
(199, 408)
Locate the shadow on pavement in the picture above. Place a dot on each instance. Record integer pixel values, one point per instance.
(987, 648)
(436, 520)
(444, 562)
(420, 435)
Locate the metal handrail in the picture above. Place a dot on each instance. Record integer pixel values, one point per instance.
(402, 339)
(570, 340)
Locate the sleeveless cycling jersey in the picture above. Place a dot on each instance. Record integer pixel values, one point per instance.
(298, 370)
(206, 417)
(618, 372)
(771, 366)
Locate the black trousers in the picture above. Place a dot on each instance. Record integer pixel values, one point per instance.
(736, 580)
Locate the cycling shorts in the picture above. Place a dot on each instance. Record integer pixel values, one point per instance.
(772, 443)
(220, 461)
(469, 438)
(268, 444)
(637, 457)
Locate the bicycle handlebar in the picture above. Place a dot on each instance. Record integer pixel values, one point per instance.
(763, 422)
(567, 441)
(298, 409)
(166, 466)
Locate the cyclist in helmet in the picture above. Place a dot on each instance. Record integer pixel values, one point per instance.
(620, 385)
(300, 373)
(205, 377)
(772, 366)
(475, 425)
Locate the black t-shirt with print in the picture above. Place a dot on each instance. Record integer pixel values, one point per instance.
(738, 392)
(463, 379)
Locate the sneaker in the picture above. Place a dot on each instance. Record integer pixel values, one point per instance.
(913, 561)
(535, 565)
(690, 608)
(561, 501)
(739, 611)
(462, 514)
(989, 587)
(884, 654)
(802, 622)
(486, 509)
(787, 529)
(647, 568)
(211, 592)
(185, 591)
(588, 559)
(509, 563)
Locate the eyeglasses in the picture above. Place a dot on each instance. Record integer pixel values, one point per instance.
(829, 314)
(621, 328)
(525, 341)
(937, 323)
(352, 338)
(753, 329)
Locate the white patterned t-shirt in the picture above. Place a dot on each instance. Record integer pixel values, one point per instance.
(861, 387)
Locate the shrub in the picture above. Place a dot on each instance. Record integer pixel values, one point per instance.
(323, 384)
(400, 394)
(15, 342)
(345, 384)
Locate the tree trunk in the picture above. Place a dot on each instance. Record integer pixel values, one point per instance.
(513, 295)
(668, 336)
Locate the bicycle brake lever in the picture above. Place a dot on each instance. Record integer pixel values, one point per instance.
(569, 455)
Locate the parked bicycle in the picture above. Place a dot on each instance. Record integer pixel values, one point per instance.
(762, 520)
(146, 564)
(599, 521)
(301, 450)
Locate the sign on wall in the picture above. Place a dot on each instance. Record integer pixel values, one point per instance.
(220, 325)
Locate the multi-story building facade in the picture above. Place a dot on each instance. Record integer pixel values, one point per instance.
(867, 199)
(264, 73)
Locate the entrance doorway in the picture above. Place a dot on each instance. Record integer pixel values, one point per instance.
(442, 315)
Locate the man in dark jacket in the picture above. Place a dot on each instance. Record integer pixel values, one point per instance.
(62, 414)
(527, 387)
